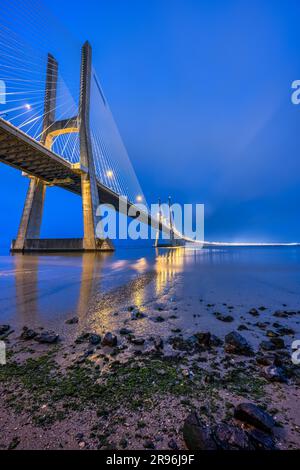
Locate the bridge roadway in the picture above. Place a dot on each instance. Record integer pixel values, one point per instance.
(22, 152)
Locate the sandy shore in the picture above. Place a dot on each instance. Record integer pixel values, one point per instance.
(137, 387)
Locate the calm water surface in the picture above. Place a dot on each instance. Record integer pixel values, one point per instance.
(39, 290)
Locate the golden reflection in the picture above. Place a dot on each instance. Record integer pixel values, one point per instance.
(92, 264)
(26, 285)
(168, 264)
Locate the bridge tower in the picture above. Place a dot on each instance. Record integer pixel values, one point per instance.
(28, 238)
(171, 241)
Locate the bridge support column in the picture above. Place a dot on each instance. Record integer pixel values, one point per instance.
(31, 221)
(92, 240)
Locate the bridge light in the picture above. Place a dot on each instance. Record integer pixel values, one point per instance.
(139, 198)
(28, 106)
(109, 174)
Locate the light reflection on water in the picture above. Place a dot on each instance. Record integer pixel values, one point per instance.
(44, 290)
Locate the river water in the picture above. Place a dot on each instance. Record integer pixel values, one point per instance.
(184, 286)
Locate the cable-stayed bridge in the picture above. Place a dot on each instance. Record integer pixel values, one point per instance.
(57, 128)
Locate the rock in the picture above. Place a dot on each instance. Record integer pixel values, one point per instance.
(125, 331)
(123, 443)
(281, 314)
(275, 374)
(261, 325)
(272, 334)
(172, 444)
(254, 312)
(262, 308)
(278, 343)
(224, 318)
(110, 340)
(94, 339)
(237, 344)
(137, 315)
(242, 328)
(261, 440)
(82, 338)
(149, 445)
(72, 321)
(229, 437)
(197, 435)
(28, 334)
(257, 417)
(137, 341)
(204, 339)
(131, 308)
(215, 341)
(267, 346)
(263, 360)
(47, 337)
(4, 329)
(283, 331)
(158, 319)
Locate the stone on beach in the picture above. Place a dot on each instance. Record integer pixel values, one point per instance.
(224, 318)
(94, 339)
(109, 340)
(197, 435)
(47, 337)
(237, 344)
(4, 329)
(28, 334)
(72, 321)
(257, 417)
(274, 374)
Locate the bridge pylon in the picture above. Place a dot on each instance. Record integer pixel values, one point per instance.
(28, 238)
(171, 241)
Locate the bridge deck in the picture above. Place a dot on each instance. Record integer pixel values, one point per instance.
(24, 153)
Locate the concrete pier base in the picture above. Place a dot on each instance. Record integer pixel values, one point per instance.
(52, 245)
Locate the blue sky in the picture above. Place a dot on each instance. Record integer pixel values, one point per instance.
(200, 91)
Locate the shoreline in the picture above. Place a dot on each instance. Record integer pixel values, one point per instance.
(133, 390)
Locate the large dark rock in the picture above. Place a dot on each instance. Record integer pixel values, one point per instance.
(110, 340)
(197, 436)
(28, 334)
(229, 437)
(47, 337)
(237, 344)
(252, 414)
(261, 440)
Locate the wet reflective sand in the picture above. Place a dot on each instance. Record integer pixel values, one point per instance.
(38, 290)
